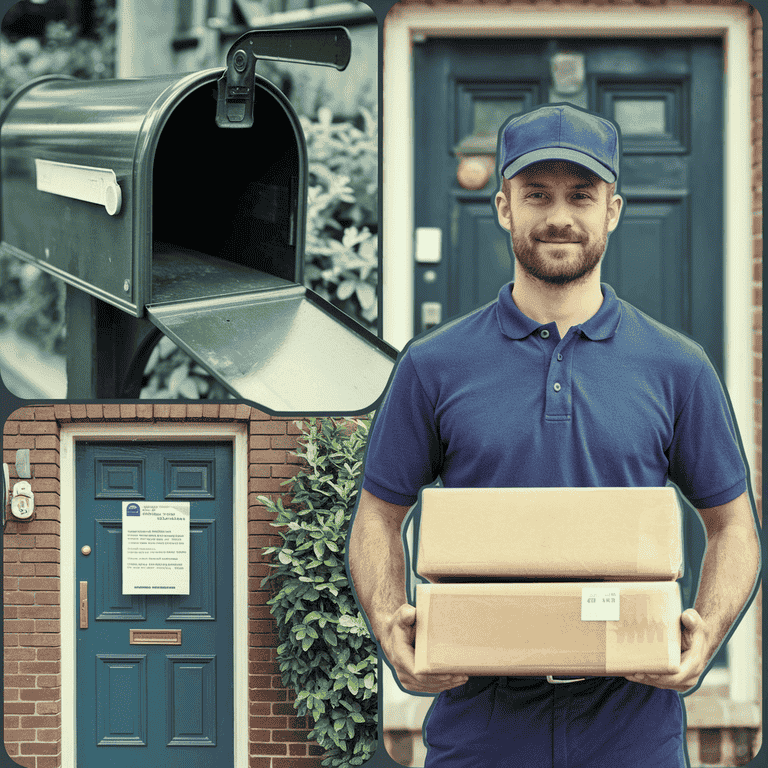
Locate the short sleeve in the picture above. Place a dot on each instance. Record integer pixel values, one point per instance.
(404, 446)
(705, 460)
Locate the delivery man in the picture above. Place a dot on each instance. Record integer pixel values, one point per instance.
(557, 383)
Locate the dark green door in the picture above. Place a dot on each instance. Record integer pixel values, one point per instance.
(666, 257)
(154, 671)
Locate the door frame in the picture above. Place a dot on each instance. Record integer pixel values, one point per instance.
(405, 24)
(235, 433)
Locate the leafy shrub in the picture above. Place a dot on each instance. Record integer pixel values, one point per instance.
(171, 373)
(342, 251)
(326, 654)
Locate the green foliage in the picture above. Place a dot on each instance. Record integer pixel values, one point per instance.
(342, 251)
(60, 52)
(326, 654)
(171, 373)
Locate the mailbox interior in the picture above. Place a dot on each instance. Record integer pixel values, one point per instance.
(227, 204)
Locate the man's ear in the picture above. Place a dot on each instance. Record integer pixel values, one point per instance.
(503, 211)
(614, 211)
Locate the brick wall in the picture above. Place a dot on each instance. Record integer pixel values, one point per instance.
(31, 582)
(757, 284)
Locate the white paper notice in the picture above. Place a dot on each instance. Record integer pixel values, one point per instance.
(600, 604)
(155, 548)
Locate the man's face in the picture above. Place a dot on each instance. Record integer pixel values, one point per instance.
(559, 215)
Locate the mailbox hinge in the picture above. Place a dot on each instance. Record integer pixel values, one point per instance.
(327, 46)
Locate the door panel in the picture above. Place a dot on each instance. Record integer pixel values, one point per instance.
(649, 231)
(140, 694)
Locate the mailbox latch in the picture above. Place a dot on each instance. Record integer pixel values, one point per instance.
(327, 46)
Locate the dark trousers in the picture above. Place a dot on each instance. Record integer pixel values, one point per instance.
(508, 722)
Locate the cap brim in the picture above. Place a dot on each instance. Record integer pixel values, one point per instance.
(559, 153)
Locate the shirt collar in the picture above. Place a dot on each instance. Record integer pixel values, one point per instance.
(602, 325)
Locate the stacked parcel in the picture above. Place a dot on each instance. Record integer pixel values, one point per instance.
(549, 581)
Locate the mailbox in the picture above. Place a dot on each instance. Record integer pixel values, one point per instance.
(181, 199)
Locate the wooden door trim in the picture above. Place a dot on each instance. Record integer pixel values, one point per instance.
(237, 434)
(406, 23)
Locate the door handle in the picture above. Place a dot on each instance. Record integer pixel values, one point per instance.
(83, 605)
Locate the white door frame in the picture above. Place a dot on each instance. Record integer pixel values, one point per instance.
(116, 431)
(406, 23)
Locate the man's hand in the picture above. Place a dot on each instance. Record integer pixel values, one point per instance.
(695, 655)
(398, 646)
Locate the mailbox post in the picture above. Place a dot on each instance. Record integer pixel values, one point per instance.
(176, 205)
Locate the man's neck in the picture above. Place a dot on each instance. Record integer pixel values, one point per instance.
(565, 305)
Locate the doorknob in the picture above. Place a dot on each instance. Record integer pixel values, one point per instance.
(83, 605)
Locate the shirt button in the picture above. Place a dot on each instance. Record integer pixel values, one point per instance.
(556, 387)
(559, 356)
(544, 333)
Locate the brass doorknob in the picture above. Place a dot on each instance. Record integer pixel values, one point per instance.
(86, 550)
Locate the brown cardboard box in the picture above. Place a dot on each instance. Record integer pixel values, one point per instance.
(539, 629)
(612, 534)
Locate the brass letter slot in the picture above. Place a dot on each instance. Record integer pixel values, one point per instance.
(83, 605)
(155, 636)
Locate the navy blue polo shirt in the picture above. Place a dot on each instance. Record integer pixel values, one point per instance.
(495, 399)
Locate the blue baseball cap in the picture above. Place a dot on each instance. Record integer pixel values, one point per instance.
(560, 132)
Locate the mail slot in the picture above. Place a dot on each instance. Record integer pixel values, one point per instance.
(140, 193)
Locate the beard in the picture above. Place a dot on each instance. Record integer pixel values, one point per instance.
(560, 266)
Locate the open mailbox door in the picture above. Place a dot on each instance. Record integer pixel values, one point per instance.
(138, 192)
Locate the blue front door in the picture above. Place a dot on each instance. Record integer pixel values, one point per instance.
(154, 672)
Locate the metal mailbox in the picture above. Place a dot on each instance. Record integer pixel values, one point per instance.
(140, 193)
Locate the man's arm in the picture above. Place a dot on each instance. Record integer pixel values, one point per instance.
(377, 567)
(731, 566)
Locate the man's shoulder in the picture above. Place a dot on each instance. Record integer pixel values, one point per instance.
(643, 333)
(461, 334)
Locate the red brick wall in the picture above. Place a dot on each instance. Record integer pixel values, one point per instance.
(31, 582)
(757, 280)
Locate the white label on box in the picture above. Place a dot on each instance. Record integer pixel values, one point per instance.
(599, 604)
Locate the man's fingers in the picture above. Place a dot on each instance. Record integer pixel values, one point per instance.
(398, 648)
(691, 620)
(693, 629)
(405, 616)
(431, 683)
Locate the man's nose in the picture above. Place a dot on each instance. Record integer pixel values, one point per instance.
(560, 214)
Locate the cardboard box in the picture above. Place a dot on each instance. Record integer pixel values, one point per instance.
(612, 534)
(571, 629)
